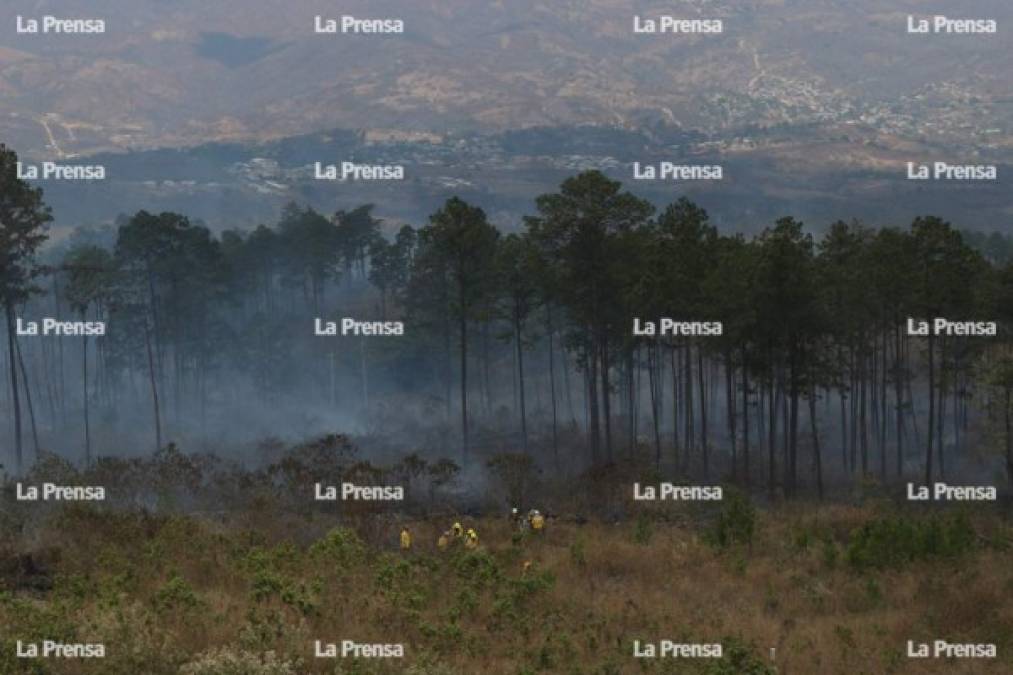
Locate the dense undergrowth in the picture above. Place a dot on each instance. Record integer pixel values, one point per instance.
(838, 589)
(196, 566)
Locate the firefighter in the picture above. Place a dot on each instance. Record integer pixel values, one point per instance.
(516, 520)
(471, 541)
(406, 540)
(444, 541)
(536, 520)
(457, 530)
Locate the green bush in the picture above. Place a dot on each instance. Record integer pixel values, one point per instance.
(830, 554)
(176, 594)
(892, 542)
(477, 567)
(403, 582)
(341, 547)
(736, 522)
(738, 658)
(578, 552)
(265, 584)
(643, 530)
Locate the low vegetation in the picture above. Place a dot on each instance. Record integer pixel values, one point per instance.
(792, 589)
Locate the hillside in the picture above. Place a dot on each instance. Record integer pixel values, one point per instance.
(184, 72)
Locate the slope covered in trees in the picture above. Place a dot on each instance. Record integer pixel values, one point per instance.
(526, 339)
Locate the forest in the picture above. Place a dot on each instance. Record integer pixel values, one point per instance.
(519, 338)
(180, 407)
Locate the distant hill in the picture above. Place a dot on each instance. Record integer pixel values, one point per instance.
(171, 73)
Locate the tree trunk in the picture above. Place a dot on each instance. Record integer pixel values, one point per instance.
(463, 325)
(687, 451)
(486, 380)
(652, 355)
(84, 389)
(853, 399)
(1009, 437)
(730, 404)
(932, 411)
(882, 425)
(908, 377)
(863, 424)
(606, 398)
(592, 399)
(566, 385)
(59, 347)
(364, 377)
(28, 399)
(15, 396)
(941, 407)
(675, 408)
(154, 388)
(772, 438)
(783, 394)
(552, 387)
(448, 375)
(817, 456)
(703, 414)
(844, 429)
(745, 417)
(793, 443)
(520, 378)
(898, 379)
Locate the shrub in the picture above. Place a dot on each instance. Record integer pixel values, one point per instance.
(176, 594)
(738, 658)
(265, 584)
(643, 531)
(341, 547)
(403, 582)
(578, 552)
(891, 542)
(735, 523)
(830, 554)
(477, 567)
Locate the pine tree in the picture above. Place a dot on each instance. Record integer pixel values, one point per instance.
(23, 221)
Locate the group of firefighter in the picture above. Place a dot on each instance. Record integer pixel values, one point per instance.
(533, 522)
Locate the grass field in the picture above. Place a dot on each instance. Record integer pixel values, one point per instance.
(791, 589)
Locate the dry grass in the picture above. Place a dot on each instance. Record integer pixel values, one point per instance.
(161, 592)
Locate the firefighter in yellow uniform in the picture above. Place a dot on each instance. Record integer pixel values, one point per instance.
(406, 540)
(471, 541)
(537, 521)
(457, 530)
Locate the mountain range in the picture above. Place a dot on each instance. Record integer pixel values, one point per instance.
(805, 87)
